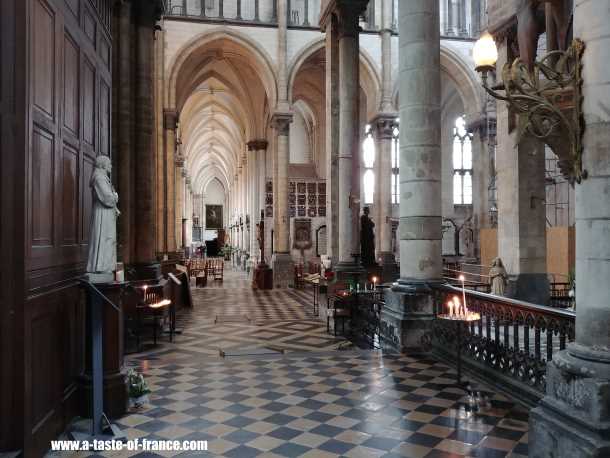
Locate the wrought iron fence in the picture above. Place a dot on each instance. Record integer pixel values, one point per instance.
(512, 342)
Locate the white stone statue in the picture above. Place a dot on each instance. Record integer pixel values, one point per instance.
(498, 277)
(102, 233)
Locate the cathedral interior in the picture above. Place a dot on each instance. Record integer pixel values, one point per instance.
(305, 228)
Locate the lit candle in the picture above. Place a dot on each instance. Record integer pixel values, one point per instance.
(462, 279)
(450, 305)
(374, 283)
(456, 304)
(145, 288)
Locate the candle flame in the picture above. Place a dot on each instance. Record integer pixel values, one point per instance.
(461, 278)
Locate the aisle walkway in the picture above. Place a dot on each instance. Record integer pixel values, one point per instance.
(314, 400)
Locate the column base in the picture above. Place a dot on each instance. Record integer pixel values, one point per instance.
(407, 317)
(573, 419)
(115, 395)
(283, 270)
(532, 288)
(390, 270)
(349, 272)
(143, 271)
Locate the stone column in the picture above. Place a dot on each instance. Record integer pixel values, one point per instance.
(346, 14)
(178, 198)
(257, 160)
(144, 259)
(521, 207)
(332, 139)
(386, 57)
(408, 313)
(281, 262)
(573, 419)
(169, 217)
(246, 200)
(383, 129)
(122, 130)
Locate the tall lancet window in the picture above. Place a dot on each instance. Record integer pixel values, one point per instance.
(368, 158)
(395, 165)
(462, 163)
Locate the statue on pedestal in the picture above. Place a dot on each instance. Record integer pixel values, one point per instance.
(261, 237)
(498, 277)
(101, 261)
(367, 239)
(534, 17)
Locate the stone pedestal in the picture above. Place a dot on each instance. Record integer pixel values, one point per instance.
(573, 419)
(390, 271)
(283, 270)
(263, 277)
(115, 388)
(406, 319)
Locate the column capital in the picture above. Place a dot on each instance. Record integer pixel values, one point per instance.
(257, 145)
(179, 160)
(347, 14)
(185, 174)
(170, 119)
(383, 125)
(281, 122)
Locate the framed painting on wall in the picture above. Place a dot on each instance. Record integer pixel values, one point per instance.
(213, 217)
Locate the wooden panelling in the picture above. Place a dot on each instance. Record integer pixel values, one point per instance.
(88, 102)
(87, 201)
(105, 113)
(89, 25)
(43, 47)
(70, 192)
(69, 125)
(42, 182)
(71, 101)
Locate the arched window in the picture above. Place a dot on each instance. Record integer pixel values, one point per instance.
(368, 158)
(462, 163)
(395, 165)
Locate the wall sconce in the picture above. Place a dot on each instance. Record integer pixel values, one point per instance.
(547, 100)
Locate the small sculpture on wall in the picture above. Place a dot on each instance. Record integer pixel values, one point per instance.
(498, 277)
(101, 261)
(367, 239)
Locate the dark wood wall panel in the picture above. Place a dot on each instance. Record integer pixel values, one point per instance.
(70, 83)
(43, 193)
(44, 56)
(71, 102)
(70, 196)
(105, 114)
(88, 102)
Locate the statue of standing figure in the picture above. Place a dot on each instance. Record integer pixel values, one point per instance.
(367, 239)
(498, 277)
(533, 20)
(102, 231)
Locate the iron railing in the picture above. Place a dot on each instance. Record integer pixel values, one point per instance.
(511, 344)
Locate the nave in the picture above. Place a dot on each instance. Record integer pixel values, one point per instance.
(320, 398)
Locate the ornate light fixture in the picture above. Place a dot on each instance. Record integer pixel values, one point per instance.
(547, 99)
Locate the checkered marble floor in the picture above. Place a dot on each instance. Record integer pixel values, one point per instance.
(312, 401)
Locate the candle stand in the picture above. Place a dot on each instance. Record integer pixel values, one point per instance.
(459, 320)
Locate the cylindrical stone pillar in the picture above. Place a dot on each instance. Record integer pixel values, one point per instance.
(383, 133)
(349, 135)
(122, 130)
(420, 137)
(144, 221)
(170, 124)
(573, 419)
(591, 24)
(280, 188)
